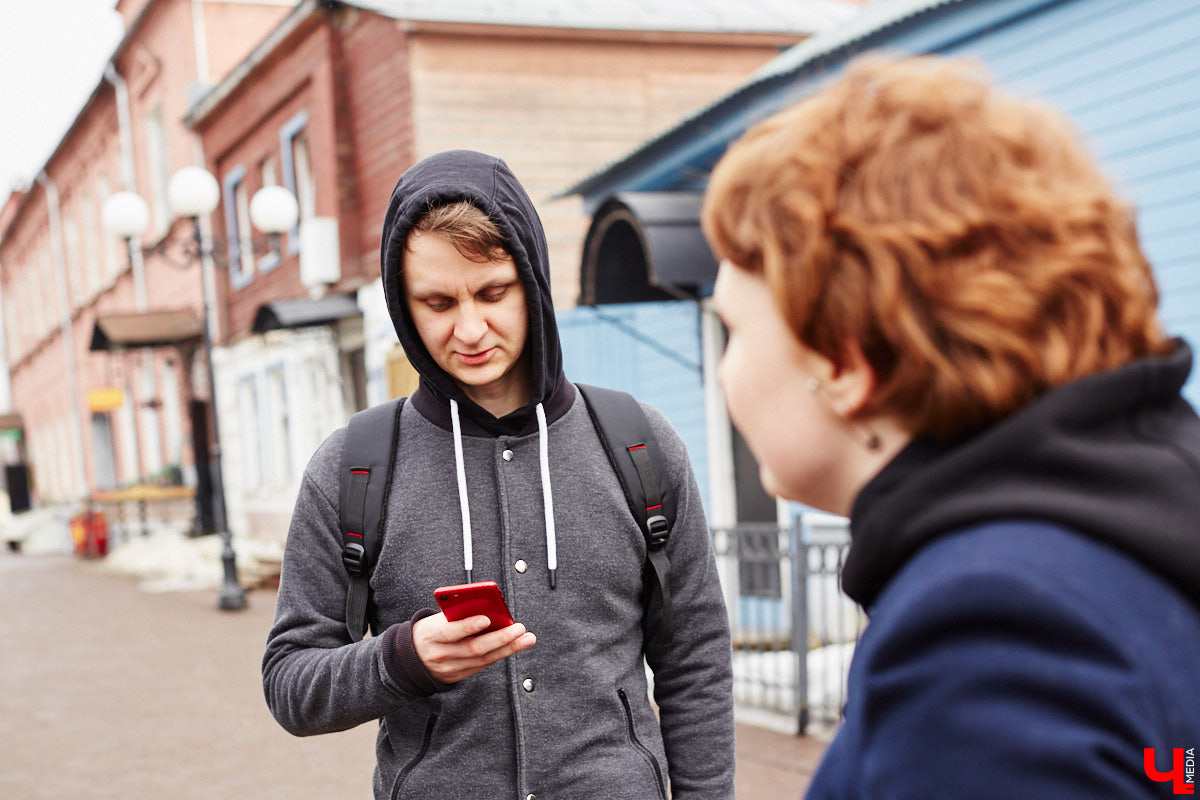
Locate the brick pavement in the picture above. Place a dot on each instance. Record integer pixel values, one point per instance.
(107, 691)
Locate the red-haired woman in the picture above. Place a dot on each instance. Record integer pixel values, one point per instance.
(942, 325)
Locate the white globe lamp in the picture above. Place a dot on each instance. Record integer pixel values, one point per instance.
(193, 192)
(125, 214)
(273, 210)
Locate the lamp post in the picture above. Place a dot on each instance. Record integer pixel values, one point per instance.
(192, 193)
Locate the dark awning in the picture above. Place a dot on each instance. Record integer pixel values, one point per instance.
(146, 329)
(304, 311)
(646, 246)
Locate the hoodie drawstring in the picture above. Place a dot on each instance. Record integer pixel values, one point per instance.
(547, 496)
(464, 507)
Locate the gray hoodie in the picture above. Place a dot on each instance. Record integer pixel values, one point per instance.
(570, 717)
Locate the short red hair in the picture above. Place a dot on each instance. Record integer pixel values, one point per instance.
(963, 238)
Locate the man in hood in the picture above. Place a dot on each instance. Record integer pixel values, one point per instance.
(500, 475)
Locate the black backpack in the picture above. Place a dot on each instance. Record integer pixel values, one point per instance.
(373, 438)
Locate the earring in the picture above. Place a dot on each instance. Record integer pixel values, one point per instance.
(871, 439)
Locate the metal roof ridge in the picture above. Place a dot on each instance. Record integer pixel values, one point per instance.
(874, 17)
(771, 17)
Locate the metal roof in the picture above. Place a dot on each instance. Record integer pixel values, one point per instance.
(304, 311)
(726, 117)
(708, 16)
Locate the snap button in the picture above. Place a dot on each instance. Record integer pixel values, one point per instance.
(520, 566)
(527, 684)
(507, 455)
(531, 797)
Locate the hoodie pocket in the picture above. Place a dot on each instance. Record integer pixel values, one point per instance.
(426, 737)
(639, 747)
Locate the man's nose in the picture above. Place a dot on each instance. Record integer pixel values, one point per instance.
(471, 325)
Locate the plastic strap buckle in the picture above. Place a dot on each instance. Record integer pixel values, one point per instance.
(354, 556)
(659, 530)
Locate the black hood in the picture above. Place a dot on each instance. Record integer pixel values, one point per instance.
(1115, 456)
(488, 183)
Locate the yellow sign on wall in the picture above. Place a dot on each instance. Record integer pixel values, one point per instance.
(106, 398)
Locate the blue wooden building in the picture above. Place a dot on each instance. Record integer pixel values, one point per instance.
(1126, 71)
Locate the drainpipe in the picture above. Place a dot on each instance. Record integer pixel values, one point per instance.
(200, 42)
(136, 260)
(128, 177)
(65, 326)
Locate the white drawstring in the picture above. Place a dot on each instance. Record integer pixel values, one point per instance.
(462, 489)
(547, 497)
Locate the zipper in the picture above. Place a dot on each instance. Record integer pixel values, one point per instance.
(411, 765)
(641, 748)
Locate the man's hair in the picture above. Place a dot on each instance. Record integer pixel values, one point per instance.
(963, 238)
(469, 229)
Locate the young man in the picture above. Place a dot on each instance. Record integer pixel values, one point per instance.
(500, 475)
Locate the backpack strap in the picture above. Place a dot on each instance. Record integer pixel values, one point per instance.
(638, 461)
(368, 460)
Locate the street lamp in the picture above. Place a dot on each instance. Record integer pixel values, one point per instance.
(192, 193)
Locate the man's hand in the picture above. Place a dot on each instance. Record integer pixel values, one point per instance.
(451, 651)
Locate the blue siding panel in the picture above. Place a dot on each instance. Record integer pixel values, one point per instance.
(1128, 74)
(652, 351)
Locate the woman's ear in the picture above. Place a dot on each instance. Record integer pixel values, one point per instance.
(851, 384)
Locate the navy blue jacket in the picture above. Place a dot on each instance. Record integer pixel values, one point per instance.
(1034, 594)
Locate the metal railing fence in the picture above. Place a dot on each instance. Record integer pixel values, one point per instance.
(793, 629)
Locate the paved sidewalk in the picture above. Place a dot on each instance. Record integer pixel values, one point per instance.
(108, 691)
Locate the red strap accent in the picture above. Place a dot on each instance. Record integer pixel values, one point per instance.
(352, 533)
(360, 472)
(637, 447)
(653, 508)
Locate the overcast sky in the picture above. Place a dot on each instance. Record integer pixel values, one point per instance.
(52, 55)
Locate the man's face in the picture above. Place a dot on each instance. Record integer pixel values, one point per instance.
(472, 318)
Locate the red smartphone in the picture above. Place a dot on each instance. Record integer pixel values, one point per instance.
(472, 599)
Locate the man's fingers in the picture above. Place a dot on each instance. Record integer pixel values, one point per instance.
(452, 651)
(485, 643)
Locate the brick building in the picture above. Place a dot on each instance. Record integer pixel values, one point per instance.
(332, 100)
(339, 99)
(94, 420)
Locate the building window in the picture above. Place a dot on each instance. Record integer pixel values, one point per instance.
(247, 401)
(11, 328)
(104, 452)
(89, 217)
(171, 409)
(297, 173)
(237, 228)
(112, 262)
(129, 442)
(75, 292)
(46, 290)
(156, 144)
(279, 442)
(268, 172)
(267, 169)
